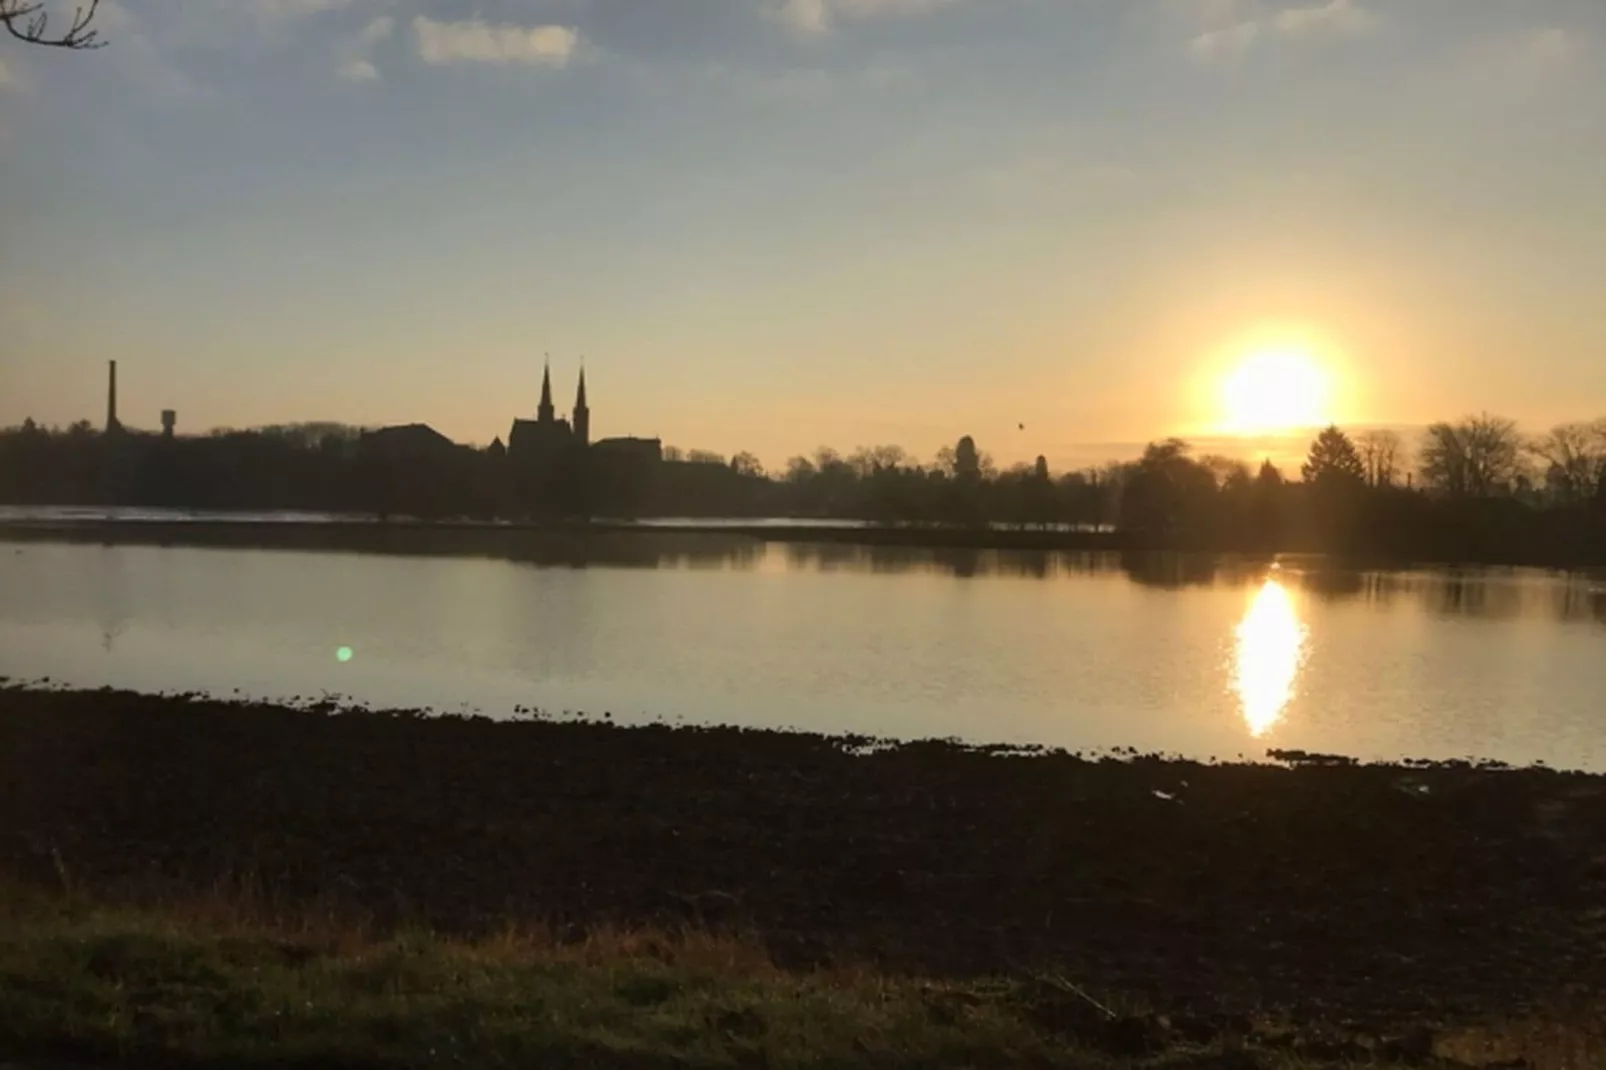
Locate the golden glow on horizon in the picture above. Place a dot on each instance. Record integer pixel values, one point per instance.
(1269, 652)
(1276, 387)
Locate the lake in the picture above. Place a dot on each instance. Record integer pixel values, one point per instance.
(1184, 655)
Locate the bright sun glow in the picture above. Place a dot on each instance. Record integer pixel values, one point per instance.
(1281, 388)
(1270, 651)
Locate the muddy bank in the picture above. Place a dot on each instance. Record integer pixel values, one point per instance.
(1343, 891)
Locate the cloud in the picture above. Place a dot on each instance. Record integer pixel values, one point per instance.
(1532, 60)
(136, 53)
(8, 80)
(1334, 18)
(1547, 49)
(811, 18)
(1224, 44)
(376, 31)
(358, 70)
(815, 18)
(357, 66)
(292, 8)
(477, 41)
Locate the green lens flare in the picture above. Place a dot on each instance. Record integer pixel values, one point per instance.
(343, 655)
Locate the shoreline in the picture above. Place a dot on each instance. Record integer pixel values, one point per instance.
(1374, 893)
(515, 540)
(635, 543)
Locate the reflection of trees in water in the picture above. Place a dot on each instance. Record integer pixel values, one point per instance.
(949, 561)
(1337, 584)
(1170, 570)
(1474, 593)
(1579, 600)
(638, 551)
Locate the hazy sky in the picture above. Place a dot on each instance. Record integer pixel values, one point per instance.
(770, 225)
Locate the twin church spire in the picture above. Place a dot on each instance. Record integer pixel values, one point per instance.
(546, 414)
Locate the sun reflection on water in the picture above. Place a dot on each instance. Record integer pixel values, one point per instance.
(1270, 650)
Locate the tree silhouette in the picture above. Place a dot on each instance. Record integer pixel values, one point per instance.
(1333, 461)
(967, 460)
(1575, 459)
(1476, 458)
(29, 21)
(1380, 454)
(745, 464)
(1168, 491)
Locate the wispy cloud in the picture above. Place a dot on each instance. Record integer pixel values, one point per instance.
(1547, 49)
(1334, 18)
(137, 53)
(358, 66)
(1230, 43)
(1535, 59)
(291, 8)
(477, 41)
(815, 18)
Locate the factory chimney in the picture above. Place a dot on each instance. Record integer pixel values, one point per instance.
(111, 399)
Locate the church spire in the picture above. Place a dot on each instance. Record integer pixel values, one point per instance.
(582, 411)
(544, 413)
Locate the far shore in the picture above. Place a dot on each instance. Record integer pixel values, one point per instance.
(600, 540)
(509, 539)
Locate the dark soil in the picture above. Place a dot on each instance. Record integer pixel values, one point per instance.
(1353, 893)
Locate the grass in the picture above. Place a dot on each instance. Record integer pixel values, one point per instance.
(216, 985)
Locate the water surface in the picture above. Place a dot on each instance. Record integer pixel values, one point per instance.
(1178, 654)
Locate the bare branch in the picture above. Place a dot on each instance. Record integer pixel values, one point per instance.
(27, 20)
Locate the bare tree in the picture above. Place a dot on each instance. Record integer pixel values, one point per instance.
(1478, 457)
(746, 464)
(1380, 455)
(1574, 456)
(29, 20)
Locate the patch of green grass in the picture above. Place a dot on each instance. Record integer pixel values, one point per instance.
(87, 982)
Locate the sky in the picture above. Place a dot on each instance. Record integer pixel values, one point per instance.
(768, 225)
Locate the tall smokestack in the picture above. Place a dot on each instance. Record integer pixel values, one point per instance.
(111, 397)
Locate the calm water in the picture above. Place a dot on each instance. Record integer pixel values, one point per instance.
(1180, 655)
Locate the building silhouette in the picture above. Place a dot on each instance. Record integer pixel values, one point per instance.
(554, 467)
(543, 440)
(112, 424)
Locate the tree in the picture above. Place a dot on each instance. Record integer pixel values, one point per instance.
(745, 464)
(967, 460)
(1167, 491)
(1475, 458)
(1333, 461)
(29, 21)
(800, 470)
(868, 460)
(1575, 458)
(1380, 456)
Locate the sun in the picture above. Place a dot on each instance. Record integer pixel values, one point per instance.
(1275, 388)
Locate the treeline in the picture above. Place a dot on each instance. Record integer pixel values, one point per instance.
(1475, 489)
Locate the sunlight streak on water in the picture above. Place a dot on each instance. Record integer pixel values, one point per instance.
(1269, 653)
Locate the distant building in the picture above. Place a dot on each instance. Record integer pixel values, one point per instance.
(539, 442)
(406, 442)
(649, 451)
(554, 467)
(169, 422)
(112, 426)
